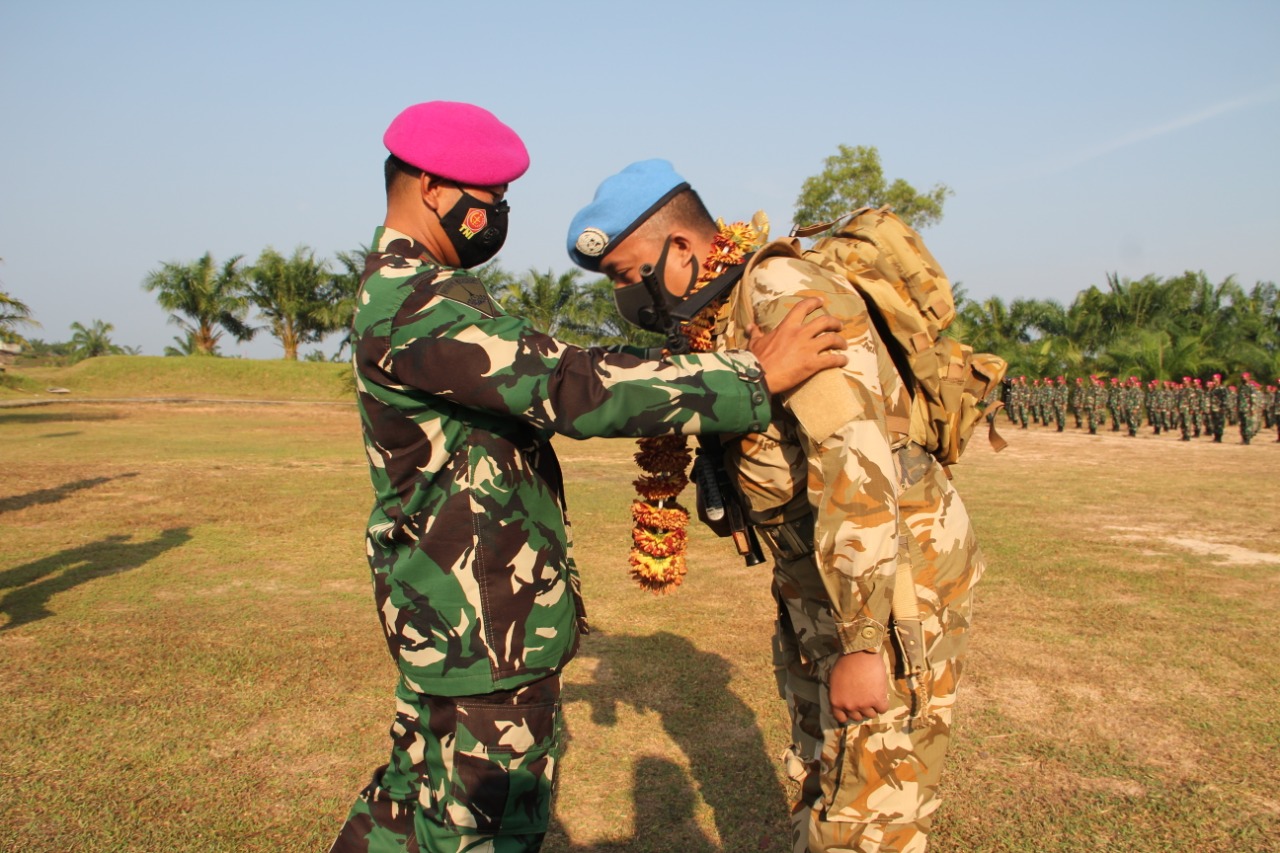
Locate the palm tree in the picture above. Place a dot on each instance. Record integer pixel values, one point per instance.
(204, 300)
(13, 312)
(339, 295)
(292, 294)
(185, 345)
(597, 321)
(93, 341)
(545, 299)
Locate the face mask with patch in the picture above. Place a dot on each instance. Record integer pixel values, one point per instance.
(476, 229)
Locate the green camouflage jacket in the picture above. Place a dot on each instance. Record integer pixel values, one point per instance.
(468, 540)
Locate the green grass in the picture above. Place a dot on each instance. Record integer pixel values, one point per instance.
(189, 657)
(131, 377)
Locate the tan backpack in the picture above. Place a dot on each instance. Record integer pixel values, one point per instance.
(893, 270)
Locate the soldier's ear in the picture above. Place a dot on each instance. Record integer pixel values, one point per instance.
(429, 187)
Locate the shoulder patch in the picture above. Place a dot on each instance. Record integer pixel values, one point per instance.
(469, 291)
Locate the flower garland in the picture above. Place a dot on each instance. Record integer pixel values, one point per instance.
(659, 534)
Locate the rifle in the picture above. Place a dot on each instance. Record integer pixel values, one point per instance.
(719, 506)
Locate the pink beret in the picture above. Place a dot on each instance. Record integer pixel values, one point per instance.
(461, 142)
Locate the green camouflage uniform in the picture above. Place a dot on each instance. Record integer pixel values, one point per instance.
(1250, 409)
(1274, 407)
(1169, 405)
(1200, 409)
(1096, 404)
(1132, 401)
(840, 501)
(1185, 407)
(1020, 408)
(1058, 402)
(1078, 392)
(468, 542)
(1113, 392)
(1217, 402)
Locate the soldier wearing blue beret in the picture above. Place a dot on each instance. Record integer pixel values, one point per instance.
(868, 535)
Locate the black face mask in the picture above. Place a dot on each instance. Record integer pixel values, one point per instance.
(636, 305)
(476, 229)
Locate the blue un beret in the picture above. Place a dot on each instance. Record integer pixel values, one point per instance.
(622, 202)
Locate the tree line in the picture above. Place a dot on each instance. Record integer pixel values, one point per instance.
(1154, 328)
(1163, 328)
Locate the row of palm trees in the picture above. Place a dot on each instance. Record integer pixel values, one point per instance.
(1153, 328)
(299, 299)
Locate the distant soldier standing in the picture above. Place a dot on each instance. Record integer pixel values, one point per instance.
(1021, 401)
(1133, 399)
(1217, 394)
(1155, 403)
(1250, 408)
(1077, 401)
(1199, 407)
(1096, 404)
(1113, 403)
(1275, 407)
(1059, 398)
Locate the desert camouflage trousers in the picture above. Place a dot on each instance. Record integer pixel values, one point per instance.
(872, 787)
(471, 773)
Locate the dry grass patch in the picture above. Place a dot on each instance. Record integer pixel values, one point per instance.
(189, 657)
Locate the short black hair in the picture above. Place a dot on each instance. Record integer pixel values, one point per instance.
(395, 168)
(685, 209)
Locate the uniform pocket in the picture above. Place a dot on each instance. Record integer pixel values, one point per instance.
(503, 767)
(878, 775)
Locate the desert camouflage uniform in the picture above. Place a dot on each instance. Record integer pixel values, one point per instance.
(840, 504)
(468, 542)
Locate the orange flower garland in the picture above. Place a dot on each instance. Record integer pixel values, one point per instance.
(659, 534)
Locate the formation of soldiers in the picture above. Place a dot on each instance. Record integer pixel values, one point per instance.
(1191, 407)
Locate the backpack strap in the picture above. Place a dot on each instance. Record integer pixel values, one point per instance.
(819, 227)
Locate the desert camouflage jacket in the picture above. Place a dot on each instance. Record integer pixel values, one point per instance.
(830, 448)
(468, 539)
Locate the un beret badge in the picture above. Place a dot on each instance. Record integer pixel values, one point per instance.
(592, 242)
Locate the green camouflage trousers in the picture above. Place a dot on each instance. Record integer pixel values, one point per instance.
(467, 773)
(872, 787)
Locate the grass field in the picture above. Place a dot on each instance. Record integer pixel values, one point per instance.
(189, 657)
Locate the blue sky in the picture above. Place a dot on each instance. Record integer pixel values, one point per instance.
(1080, 138)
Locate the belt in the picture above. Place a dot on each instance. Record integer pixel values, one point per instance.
(790, 540)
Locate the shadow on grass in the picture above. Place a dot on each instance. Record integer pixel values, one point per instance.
(16, 416)
(32, 584)
(57, 493)
(730, 767)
